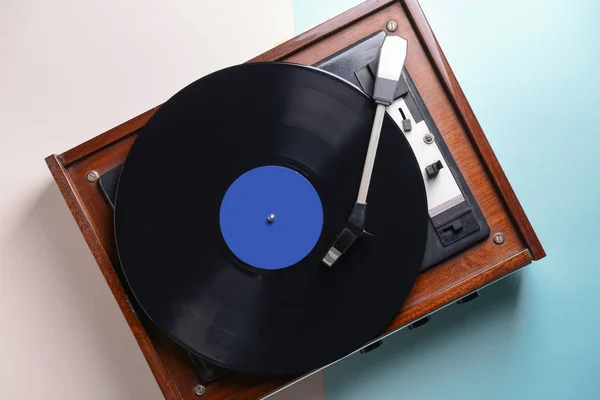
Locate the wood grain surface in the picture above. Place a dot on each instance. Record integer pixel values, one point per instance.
(479, 266)
(95, 243)
(464, 111)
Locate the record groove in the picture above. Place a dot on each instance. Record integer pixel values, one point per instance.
(168, 232)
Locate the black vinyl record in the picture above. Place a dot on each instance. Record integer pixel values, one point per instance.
(178, 203)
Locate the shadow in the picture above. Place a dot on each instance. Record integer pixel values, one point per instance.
(311, 388)
(79, 314)
(444, 340)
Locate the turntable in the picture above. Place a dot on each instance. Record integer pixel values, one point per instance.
(350, 195)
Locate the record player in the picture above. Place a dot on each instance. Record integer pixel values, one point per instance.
(273, 268)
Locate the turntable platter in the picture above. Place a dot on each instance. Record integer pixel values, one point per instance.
(232, 194)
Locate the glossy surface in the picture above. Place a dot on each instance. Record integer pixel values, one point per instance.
(180, 269)
(455, 278)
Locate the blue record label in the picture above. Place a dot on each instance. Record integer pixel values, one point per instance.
(271, 217)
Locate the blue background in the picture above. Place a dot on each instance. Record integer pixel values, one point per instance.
(530, 71)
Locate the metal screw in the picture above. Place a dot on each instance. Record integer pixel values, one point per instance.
(428, 138)
(499, 238)
(391, 26)
(92, 176)
(271, 218)
(199, 390)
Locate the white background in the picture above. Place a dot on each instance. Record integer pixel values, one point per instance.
(70, 70)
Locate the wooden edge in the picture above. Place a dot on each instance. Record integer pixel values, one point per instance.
(106, 139)
(92, 238)
(456, 95)
(57, 165)
(321, 31)
(443, 298)
(463, 109)
(456, 292)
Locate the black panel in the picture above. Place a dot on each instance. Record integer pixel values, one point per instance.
(449, 233)
(458, 228)
(356, 64)
(450, 214)
(352, 64)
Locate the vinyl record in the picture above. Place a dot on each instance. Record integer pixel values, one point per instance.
(232, 194)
